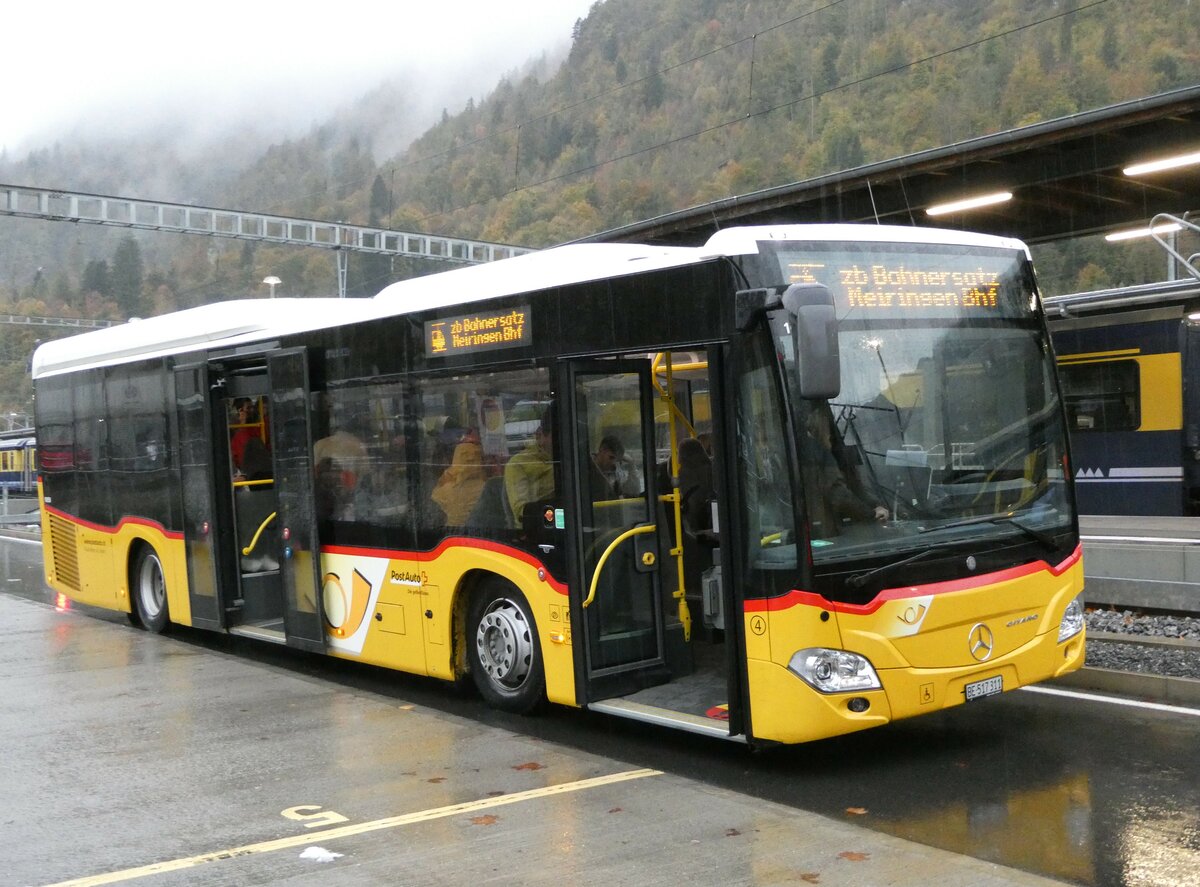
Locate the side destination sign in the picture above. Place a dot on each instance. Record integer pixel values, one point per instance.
(468, 333)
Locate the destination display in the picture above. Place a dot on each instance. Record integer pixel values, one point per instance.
(917, 284)
(472, 333)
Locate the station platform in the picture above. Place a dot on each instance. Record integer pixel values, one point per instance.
(1142, 562)
(135, 757)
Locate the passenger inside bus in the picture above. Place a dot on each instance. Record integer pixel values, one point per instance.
(458, 489)
(245, 426)
(696, 496)
(340, 459)
(529, 474)
(609, 477)
(695, 486)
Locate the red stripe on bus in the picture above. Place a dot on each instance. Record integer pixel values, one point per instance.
(101, 528)
(442, 548)
(798, 598)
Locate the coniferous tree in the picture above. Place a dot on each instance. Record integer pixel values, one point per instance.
(126, 278)
(95, 278)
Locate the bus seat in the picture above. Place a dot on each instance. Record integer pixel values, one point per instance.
(491, 511)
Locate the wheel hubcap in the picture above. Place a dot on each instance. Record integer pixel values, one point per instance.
(504, 644)
(152, 587)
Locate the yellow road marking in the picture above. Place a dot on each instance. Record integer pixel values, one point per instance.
(346, 831)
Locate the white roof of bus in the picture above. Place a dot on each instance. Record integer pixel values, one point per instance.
(228, 324)
(531, 272)
(218, 324)
(744, 241)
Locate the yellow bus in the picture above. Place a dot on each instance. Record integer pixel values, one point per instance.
(797, 482)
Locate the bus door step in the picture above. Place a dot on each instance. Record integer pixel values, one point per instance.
(259, 633)
(649, 714)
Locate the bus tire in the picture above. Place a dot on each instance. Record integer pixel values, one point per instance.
(503, 649)
(150, 591)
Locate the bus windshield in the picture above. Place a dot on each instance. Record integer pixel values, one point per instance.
(947, 428)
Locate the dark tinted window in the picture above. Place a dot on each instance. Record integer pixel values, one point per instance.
(1102, 396)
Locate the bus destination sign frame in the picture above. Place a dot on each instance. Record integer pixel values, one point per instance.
(479, 331)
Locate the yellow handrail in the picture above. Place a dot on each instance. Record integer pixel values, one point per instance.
(636, 531)
(249, 548)
(253, 483)
(664, 395)
(667, 395)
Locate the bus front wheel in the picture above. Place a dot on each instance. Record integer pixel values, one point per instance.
(503, 648)
(150, 591)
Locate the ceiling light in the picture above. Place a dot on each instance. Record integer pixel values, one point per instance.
(1142, 232)
(1141, 169)
(942, 209)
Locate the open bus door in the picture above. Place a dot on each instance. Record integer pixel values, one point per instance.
(296, 522)
(194, 413)
(616, 530)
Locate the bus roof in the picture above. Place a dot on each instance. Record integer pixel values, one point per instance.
(232, 323)
(193, 329)
(227, 324)
(744, 240)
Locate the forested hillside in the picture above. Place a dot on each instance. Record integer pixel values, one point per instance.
(657, 106)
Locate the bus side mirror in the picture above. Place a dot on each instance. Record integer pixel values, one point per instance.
(815, 337)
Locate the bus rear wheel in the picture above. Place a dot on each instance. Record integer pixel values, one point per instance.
(150, 591)
(503, 649)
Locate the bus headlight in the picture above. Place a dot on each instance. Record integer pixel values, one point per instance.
(833, 671)
(1072, 621)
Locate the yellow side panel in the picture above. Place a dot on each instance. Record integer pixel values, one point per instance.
(1162, 392)
(91, 564)
(404, 613)
(99, 586)
(446, 568)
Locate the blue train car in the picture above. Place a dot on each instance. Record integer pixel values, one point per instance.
(1127, 362)
(18, 463)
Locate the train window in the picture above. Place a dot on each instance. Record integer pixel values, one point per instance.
(1102, 396)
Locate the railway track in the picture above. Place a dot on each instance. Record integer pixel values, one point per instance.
(1153, 655)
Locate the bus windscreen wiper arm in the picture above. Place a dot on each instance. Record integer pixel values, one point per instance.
(1005, 518)
(858, 580)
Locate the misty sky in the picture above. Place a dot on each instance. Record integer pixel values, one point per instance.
(72, 67)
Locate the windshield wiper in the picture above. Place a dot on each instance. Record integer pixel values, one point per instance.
(858, 580)
(1006, 518)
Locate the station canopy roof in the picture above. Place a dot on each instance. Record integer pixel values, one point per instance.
(1066, 177)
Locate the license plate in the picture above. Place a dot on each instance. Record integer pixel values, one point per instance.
(986, 687)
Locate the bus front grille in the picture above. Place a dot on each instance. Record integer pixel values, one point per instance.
(65, 555)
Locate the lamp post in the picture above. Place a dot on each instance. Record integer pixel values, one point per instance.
(272, 282)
